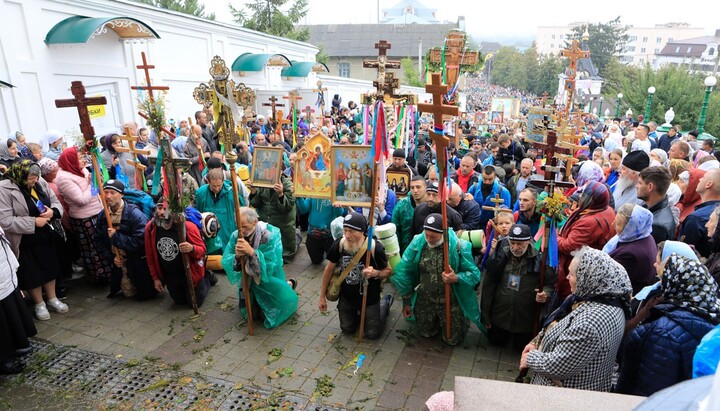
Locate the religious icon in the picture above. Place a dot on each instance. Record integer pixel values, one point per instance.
(510, 106)
(496, 117)
(480, 117)
(312, 168)
(266, 166)
(398, 181)
(352, 175)
(538, 123)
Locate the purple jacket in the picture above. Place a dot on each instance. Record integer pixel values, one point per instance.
(638, 258)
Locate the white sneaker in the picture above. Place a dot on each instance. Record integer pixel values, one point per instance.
(57, 305)
(41, 312)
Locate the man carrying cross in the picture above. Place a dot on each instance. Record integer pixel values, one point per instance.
(484, 191)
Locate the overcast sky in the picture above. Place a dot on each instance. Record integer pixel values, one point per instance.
(516, 18)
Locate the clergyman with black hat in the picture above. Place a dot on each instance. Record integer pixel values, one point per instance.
(422, 271)
(511, 289)
(127, 235)
(347, 257)
(626, 186)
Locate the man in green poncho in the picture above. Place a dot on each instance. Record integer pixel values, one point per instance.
(405, 210)
(272, 296)
(277, 206)
(421, 271)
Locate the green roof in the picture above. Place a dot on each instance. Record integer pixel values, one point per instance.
(80, 29)
(303, 68)
(257, 62)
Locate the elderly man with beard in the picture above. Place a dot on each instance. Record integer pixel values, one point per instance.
(511, 289)
(404, 211)
(518, 182)
(466, 176)
(432, 205)
(469, 210)
(341, 254)
(626, 187)
(257, 245)
(526, 212)
(163, 248)
(421, 271)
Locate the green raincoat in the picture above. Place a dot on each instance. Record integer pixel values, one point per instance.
(402, 217)
(224, 210)
(277, 300)
(278, 211)
(460, 258)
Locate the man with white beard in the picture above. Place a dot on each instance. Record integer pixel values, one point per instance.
(626, 187)
(422, 271)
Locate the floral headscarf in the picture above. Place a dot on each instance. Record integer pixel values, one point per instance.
(69, 162)
(20, 171)
(47, 166)
(589, 171)
(677, 166)
(598, 275)
(594, 198)
(5, 150)
(688, 284)
(638, 226)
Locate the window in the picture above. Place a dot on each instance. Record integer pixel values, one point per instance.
(657, 51)
(711, 52)
(631, 49)
(642, 50)
(552, 46)
(632, 38)
(658, 40)
(645, 40)
(561, 37)
(344, 69)
(553, 37)
(689, 50)
(670, 39)
(677, 49)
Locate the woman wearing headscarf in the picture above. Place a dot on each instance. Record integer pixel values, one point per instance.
(580, 340)
(73, 182)
(612, 174)
(27, 207)
(8, 152)
(660, 156)
(676, 167)
(114, 159)
(588, 172)
(52, 144)
(16, 323)
(590, 224)
(633, 246)
(690, 198)
(659, 352)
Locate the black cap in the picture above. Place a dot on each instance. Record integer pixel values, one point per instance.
(520, 232)
(355, 221)
(636, 160)
(115, 185)
(214, 162)
(433, 187)
(433, 222)
(399, 152)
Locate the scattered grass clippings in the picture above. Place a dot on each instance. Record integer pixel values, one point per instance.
(159, 384)
(133, 362)
(274, 355)
(331, 337)
(199, 336)
(351, 363)
(323, 387)
(281, 372)
(226, 305)
(238, 386)
(152, 359)
(367, 376)
(185, 381)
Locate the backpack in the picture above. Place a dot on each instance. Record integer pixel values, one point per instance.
(142, 200)
(193, 215)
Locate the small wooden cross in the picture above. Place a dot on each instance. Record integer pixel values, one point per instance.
(321, 96)
(134, 151)
(497, 209)
(309, 110)
(293, 98)
(81, 102)
(550, 182)
(273, 103)
(149, 87)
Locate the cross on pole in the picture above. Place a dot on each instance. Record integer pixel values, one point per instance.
(308, 111)
(135, 162)
(273, 104)
(321, 97)
(497, 209)
(148, 87)
(384, 80)
(293, 98)
(81, 102)
(455, 56)
(574, 53)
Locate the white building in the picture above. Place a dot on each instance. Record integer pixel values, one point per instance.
(697, 54)
(643, 42)
(46, 44)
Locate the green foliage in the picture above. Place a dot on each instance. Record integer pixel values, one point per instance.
(322, 56)
(272, 17)
(192, 7)
(509, 69)
(411, 77)
(606, 40)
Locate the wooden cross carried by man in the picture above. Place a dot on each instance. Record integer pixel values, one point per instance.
(386, 82)
(81, 102)
(574, 53)
(148, 84)
(273, 108)
(496, 209)
(455, 56)
(135, 162)
(321, 97)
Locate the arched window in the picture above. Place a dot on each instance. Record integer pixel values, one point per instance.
(711, 52)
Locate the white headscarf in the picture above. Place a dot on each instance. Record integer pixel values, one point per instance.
(50, 137)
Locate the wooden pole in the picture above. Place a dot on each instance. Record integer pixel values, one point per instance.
(368, 255)
(182, 237)
(103, 200)
(446, 260)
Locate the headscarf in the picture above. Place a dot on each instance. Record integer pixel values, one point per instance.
(700, 155)
(179, 144)
(108, 142)
(688, 284)
(594, 198)
(5, 150)
(673, 194)
(47, 166)
(690, 197)
(50, 137)
(662, 155)
(638, 226)
(69, 162)
(599, 275)
(709, 165)
(679, 248)
(677, 166)
(589, 171)
(20, 171)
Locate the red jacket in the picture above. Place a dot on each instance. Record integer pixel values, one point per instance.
(197, 256)
(593, 230)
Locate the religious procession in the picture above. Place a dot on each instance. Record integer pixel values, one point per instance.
(580, 248)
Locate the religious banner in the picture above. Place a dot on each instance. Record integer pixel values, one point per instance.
(312, 168)
(496, 117)
(398, 181)
(266, 166)
(480, 117)
(352, 175)
(510, 106)
(536, 126)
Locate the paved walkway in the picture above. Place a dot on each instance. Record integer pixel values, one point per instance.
(307, 356)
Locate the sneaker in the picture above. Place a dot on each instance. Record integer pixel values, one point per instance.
(211, 277)
(57, 305)
(293, 283)
(41, 312)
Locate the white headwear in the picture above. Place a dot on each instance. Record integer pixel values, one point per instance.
(50, 137)
(709, 165)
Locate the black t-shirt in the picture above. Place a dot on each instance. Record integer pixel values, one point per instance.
(166, 244)
(350, 288)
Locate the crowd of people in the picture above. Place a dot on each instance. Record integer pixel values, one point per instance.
(632, 289)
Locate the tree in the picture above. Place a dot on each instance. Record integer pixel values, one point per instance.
(272, 17)
(508, 70)
(322, 56)
(605, 41)
(192, 7)
(411, 77)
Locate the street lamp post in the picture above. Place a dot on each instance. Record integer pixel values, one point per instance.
(588, 109)
(601, 103)
(710, 82)
(651, 91)
(617, 109)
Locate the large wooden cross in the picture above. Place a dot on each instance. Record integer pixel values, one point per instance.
(385, 82)
(273, 107)
(148, 85)
(134, 151)
(81, 102)
(321, 97)
(497, 200)
(574, 53)
(455, 56)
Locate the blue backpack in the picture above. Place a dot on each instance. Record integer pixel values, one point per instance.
(142, 200)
